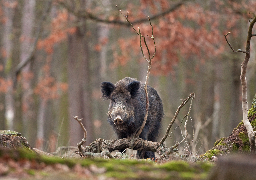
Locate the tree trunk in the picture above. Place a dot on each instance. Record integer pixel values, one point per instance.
(26, 39)
(235, 113)
(100, 116)
(216, 106)
(8, 61)
(40, 124)
(79, 91)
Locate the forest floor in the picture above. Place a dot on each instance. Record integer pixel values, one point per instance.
(25, 164)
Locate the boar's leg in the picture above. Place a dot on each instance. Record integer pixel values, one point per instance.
(141, 154)
(145, 154)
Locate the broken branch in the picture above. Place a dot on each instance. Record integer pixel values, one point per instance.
(79, 145)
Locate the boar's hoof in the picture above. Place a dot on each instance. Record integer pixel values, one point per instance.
(118, 120)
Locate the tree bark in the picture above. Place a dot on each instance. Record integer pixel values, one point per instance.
(247, 124)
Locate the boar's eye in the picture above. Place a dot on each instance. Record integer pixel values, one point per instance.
(133, 88)
(107, 88)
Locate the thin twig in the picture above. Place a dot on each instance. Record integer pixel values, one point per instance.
(149, 60)
(239, 50)
(79, 145)
(192, 95)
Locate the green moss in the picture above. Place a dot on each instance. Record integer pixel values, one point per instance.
(20, 153)
(31, 172)
(212, 152)
(54, 160)
(191, 175)
(179, 166)
(146, 168)
(240, 124)
(245, 139)
(118, 175)
(44, 173)
(253, 123)
(235, 147)
(86, 162)
(116, 167)
(187, 175)
(110, 167)
(251, 112)
(9, 132)
(220, 142)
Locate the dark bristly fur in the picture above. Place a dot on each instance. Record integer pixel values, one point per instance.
(127, 109)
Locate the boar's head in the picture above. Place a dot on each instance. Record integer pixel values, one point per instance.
(122, 98)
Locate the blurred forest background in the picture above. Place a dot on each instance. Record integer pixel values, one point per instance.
(54, 55)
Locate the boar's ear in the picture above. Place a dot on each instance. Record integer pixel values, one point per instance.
(107, 88)
(133, 88)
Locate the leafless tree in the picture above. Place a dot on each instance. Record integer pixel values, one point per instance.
(247, 124)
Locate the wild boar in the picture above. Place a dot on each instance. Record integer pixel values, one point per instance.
(127, 110)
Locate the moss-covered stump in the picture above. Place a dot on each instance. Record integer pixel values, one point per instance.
(238, 140)
(13, 139)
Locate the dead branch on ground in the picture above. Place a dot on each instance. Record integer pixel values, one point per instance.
(101, 147)
(79, 145)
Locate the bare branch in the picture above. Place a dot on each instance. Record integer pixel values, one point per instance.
(90, 16)
(149, 60)
(192, 95)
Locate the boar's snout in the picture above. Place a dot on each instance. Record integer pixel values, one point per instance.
(118, 120)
